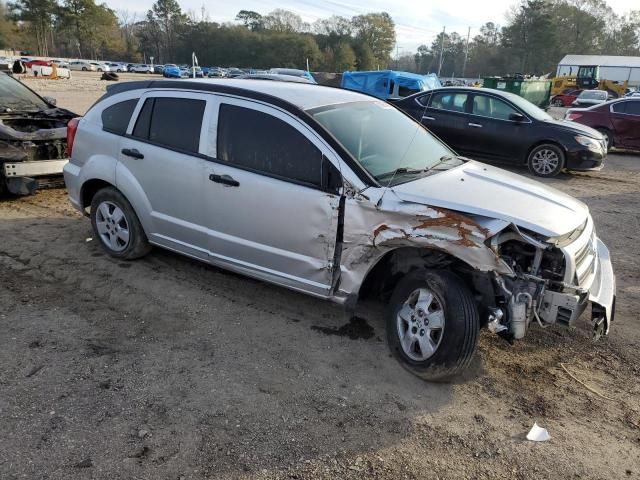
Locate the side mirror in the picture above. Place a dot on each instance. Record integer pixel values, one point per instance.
(517, 117)
(50, 101)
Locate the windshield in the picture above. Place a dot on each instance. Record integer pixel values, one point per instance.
(386, 142)
(15, 96)
(593, 95)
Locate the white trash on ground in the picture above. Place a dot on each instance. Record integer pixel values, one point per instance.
(538, 434)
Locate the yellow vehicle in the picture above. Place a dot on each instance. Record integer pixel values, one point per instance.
(588, 78)
(561, 84)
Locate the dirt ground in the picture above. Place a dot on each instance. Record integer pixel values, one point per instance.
(165, 368)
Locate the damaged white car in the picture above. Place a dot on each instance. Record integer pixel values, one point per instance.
(338, 195)
(32, 138)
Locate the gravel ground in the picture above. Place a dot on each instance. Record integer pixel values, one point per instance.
(166, 368)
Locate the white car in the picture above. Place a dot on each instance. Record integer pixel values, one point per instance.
(82, 65)
(101, 67)
(141, 68)
(118, 67)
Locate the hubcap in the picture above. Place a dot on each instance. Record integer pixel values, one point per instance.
(545, 161)
(420, 323)
(112, 226)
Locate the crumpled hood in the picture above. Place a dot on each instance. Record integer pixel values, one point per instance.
(480, 189)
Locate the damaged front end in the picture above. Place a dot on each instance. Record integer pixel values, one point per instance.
(553, 281)
(32, 149)
(517, 276)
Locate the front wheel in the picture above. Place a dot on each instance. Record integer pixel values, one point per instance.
(116, 225)
(558, 103)
(546, 160)
(432, 324)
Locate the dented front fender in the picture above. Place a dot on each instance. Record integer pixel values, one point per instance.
(373, 229)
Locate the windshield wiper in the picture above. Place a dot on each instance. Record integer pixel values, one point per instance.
(401, 170)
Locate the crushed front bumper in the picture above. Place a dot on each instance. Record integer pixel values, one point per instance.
(566, 307)
(602, 293)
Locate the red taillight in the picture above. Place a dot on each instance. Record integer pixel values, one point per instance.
(573, 116)
(72, 128)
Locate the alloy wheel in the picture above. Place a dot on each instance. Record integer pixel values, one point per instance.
(545, 161)
(112, 226)
(420, 322)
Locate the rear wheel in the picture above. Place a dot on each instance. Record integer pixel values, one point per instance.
(607, 138)
(558, 103)
(84, 69)
(546, 160)
(432, 324)
(116, 225)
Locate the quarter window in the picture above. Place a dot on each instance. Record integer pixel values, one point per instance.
(492, 107)
(449, 101)
(115, 118)
(172, 122)
(265, 144)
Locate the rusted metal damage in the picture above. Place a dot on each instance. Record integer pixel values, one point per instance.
(373, 231)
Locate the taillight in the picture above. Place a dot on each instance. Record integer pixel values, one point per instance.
(573, 116)
(72, 128)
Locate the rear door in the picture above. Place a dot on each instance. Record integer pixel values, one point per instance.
(445, 116)
(272, 195)
(625, 118)
(492, 134)
(160, 159)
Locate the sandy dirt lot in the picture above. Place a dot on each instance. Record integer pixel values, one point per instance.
(165, 368)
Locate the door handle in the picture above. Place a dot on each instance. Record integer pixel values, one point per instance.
(428, 118)
(224, 179)
(133, 153)
(474, 125)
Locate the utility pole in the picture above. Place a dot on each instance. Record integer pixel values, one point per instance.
(466, 53)
(441, 51)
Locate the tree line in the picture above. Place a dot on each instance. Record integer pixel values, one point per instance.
(537, 34)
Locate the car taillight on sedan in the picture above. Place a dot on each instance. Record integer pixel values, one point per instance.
(72, 128)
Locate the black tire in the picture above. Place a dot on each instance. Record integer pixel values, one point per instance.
(608, 138)
(138, 244)
(457, 340)
(84, 69)
(536, 160)
(558, 103)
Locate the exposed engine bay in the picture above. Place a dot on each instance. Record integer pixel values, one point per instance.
(32, 139)
(550, 284)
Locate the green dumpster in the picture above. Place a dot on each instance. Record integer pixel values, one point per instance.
(536, 91)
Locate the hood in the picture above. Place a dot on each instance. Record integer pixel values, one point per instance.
(575, 128)
(480, 189)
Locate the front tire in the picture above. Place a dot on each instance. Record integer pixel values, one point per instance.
(432, 324)
(116, 225)
(546, 160)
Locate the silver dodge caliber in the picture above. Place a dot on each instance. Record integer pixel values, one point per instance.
(340, 196)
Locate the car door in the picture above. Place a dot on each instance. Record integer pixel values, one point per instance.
(445, 116)
(492, 134)
(625, 118)
(271, 211)
(160, 159)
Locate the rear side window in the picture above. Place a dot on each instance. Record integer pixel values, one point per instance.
(633, 108)
(263, 143)
(449, 101)
(620, 107)
(172, 122)
(115, 118)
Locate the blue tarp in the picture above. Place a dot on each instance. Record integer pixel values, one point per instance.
(387, 84)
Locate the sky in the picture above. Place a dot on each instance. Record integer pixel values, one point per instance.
(417, 21)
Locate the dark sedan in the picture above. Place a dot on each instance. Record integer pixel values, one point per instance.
(505, 128)
(618, 121)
